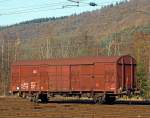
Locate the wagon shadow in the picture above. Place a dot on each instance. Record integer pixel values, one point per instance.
(128, 102)
(72, 101)
(146, 102)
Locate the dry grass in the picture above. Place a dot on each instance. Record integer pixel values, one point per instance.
(20, 108)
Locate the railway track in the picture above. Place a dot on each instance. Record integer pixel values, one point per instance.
(132, 102)
(90, 101)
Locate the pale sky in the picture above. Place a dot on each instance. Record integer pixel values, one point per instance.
(15, 11)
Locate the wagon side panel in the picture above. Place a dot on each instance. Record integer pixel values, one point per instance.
(65, 83)
(52, 75)
(110, 77)
(126, 70)
(86, 77)
(44, 78)
(99, 77)
(75, 78)
(29, 78)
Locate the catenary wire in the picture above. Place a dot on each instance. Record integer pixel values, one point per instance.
(26, 7)
(36, 10)
(41, 7)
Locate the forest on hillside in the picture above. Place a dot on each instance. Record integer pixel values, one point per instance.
(119, 29)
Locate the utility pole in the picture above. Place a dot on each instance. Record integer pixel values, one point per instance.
(148, 42)
(2, 66)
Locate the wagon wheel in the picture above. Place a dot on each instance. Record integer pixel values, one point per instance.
(110, 99)
(24, 95)
(99, 100)
(44, 98)
(34, 98)
(18, 94)
(95, 99)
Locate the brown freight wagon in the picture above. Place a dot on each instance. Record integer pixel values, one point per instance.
(101, 78)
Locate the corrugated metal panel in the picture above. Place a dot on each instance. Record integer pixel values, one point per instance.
(44, 79)
(52, 73)
(65, 77)
(86, 77)
(126, 73)
(75, 78)
(29, 76)
(110, 77)
(99, 77)
(59, 78)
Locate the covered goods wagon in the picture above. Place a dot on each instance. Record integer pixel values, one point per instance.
(101, 78)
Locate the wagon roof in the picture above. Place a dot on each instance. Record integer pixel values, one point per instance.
(69, 61)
